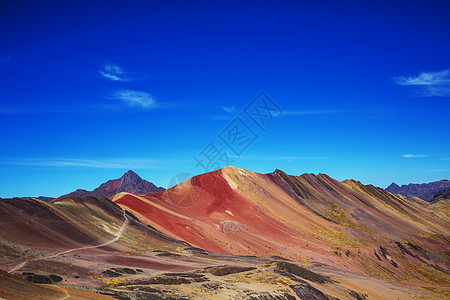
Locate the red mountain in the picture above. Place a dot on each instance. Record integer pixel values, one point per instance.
(345, 224)
(130, 182)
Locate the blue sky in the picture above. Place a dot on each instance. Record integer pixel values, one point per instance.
(90, 89)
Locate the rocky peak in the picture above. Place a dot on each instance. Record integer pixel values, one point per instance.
(130, 177)
(130, 182)
(393, 188)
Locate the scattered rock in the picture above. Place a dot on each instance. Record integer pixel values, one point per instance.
(41, 279)
(211, 286)
(292, 269)
(167, 253)
(132, 216)
(55, 278)
(111, 273)
(358, 296)
(167, 279)
(195, 277)
(196, 250)
(269, 296)
(307, 292)
(124, 270)
(393, 263)
(225, 270)
(404, 250)
(384, 252)
(374, 252)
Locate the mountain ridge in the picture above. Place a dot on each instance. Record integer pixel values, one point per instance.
(233, 211)
(425, 191)
(309, 236)
(130, 182)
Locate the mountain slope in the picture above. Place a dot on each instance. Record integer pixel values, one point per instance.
(130, 182)
(444, 194)
(304, 218)
(274, 236)
(425, 191)
(77, 239)
(91, 249)
(75, 222)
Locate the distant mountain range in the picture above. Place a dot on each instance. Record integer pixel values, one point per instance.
(130, 182)
(425, 191)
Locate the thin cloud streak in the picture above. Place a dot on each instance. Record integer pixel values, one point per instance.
(114, 72)
(428, 84)
(414, 155)
(230, 109)
(135, 98)
(143, 100)
(113, 163)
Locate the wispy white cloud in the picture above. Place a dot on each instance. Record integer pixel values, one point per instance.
(414, 155)
(230, 114)
(114, 72)
(428, 83)
(112, 163)
(5, 59)
(229, 109)
(425, 78)
(135, 98)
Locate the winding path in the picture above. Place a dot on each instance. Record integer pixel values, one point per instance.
(115, 239)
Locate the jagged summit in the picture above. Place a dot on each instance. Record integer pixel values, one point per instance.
(130, 182)
(130, 174)
(393, 188)
(425, 191)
